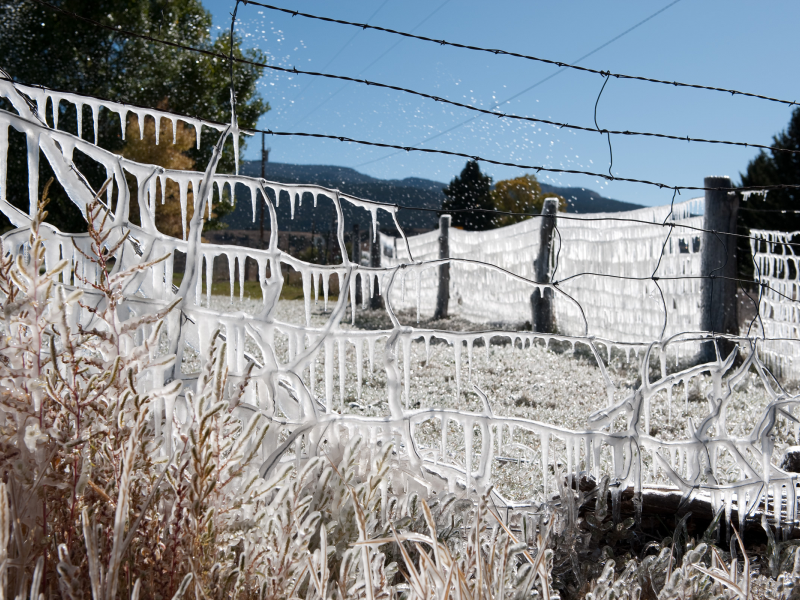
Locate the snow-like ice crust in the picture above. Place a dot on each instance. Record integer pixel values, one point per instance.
(466, 444)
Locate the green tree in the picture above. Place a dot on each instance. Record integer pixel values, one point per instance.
(520, 195)
(771, 168)
(41, 46)
(469, 190)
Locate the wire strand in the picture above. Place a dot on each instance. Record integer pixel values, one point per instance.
(524, 56)
(767, 188)
(439, 99)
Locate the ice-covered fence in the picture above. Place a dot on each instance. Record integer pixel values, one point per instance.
(292, 375)
(477, 293)
(776, 265)
(589, 251)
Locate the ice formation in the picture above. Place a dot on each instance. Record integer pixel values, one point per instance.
(622, 310)
(778, 320)
(492, 278)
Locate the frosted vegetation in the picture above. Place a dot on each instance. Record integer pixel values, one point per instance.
(163, 442)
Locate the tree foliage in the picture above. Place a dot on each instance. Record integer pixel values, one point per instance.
(469, 190)
(772, 168)
(520, 195)
(44, 47)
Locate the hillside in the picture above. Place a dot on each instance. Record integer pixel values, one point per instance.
(411, 191)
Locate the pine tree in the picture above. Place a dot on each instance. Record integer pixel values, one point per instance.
(470, 190)
(771, 168)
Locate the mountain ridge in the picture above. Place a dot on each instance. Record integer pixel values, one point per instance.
(414, 192)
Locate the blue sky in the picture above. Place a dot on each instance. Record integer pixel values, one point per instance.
(745, 45)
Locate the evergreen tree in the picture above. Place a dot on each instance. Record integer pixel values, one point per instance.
(470, 190)
(771, 168)
(39, 45)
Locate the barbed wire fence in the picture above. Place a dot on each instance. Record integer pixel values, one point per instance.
(655, 285)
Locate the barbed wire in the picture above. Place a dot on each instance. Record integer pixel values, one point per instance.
(439, 99)
(564, 216)
(637, 395)
(536, 168)
(557, 63)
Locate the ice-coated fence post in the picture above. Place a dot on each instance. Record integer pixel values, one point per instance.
(443, 295)
(356, 259)
(718, 263)
(542, 301)
(375, 263)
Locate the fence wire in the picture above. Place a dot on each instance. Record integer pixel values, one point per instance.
(465, 438)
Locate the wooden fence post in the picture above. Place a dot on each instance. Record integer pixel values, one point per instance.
(542, 300)
(356, 258)
(719, 264)
(443, 295)
(375, 263)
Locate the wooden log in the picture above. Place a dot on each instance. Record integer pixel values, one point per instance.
(375, 262)
(443, 294)
(719, 265)
(542, 315)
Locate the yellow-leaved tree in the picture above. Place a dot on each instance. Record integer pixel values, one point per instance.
(521, 195)
(170, 155)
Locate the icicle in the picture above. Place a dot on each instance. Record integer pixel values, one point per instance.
(198, 128)
(371, 351)
(469, 356)
(123, 121)
(569, 459)
(151, 196)
(359, 365)
(342, 370)
(174, 122)
(140, 118)
(95, 112)
(325, 280)
(419, 293)
(329, 375)
(242, 262)
(162, 179)
(56, 110)
(366, 278)
(183, 185)
(307, 275)
(406, 368)
(209, 277)
(427, 339)
(33, 172)
(352, 290)
(457, 352)
(79, 109)
(3, 161)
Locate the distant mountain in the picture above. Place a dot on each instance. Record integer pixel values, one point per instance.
(411, 191)
(581, 200)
